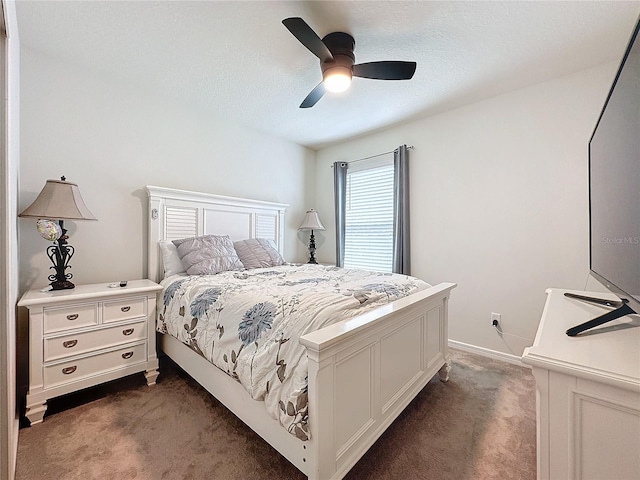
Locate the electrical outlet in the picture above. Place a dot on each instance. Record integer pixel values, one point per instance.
(495, 319)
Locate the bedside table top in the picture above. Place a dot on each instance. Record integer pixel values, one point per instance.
(86, 292)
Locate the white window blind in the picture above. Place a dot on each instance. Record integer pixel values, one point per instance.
(369, 217)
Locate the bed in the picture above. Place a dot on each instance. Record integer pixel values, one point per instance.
(362, 371)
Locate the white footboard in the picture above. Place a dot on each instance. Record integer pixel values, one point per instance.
(364, 372)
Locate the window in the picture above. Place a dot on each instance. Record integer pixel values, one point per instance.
(368, 242)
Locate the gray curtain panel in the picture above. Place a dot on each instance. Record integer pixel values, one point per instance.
(401, 240)
(340, 196)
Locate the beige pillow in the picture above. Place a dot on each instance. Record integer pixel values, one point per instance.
(208, 254)
(258, 253)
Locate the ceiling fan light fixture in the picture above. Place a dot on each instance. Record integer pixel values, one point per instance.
(338, 62)
(337, 79)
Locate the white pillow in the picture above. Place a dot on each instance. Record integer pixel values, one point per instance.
(171, 259)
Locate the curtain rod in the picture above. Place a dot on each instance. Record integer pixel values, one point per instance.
(410, 147)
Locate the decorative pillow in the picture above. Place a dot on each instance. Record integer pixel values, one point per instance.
(170, 259)
(258, 252)
(208, 254)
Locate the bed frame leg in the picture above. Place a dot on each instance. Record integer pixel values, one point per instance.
(444, 371)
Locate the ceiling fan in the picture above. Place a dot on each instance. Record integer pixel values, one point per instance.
(335, 52)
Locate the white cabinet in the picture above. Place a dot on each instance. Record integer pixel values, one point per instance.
(588, 393)
(88, 335)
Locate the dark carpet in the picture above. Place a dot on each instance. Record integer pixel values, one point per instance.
(479, 425)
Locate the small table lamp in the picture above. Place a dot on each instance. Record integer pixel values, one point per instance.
(312, 222)
(58, 200)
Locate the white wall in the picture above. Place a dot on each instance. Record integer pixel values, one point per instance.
(112, 140)
(9, 167)
(499, 201)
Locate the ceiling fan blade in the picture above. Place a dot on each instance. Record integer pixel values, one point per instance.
(313, 97)
(307, 37)
(390, 70)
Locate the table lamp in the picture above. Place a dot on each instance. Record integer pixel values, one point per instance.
(59, 200)
(311, 222)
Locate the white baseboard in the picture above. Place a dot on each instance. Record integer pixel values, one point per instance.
(485, 352)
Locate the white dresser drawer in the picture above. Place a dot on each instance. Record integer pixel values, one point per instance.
(73, 316)
(74, 370)
(124, 309)
(74, 344)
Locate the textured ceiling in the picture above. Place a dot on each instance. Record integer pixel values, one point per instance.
(236, 58)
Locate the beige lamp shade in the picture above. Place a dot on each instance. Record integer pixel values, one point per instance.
(59, 200)
(311, 221)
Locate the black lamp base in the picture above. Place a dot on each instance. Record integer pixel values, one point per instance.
(60, 254)
(312, 249)
(64, 285)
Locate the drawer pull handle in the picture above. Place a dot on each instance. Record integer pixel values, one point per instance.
(69, 370)
(127, 355)
(125, 309)
(70, 343)
(73, 316)
(128, 331)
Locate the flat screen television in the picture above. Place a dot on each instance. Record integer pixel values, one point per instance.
(614, 192)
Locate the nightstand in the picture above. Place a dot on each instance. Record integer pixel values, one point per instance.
(88, 335)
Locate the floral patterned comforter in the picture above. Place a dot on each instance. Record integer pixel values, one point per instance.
(247, 323)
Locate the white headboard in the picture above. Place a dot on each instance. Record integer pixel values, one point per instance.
(177, 214)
